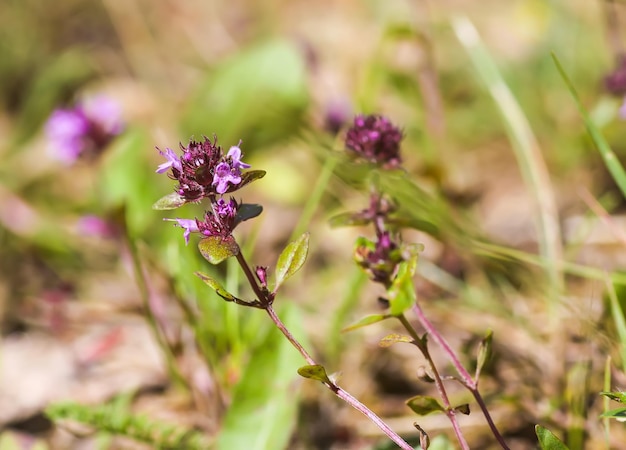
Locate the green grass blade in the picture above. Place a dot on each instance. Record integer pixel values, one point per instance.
(611, 161)
(525, 147)
(618, 316)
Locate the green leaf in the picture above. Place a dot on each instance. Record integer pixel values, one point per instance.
(394, 338)
(618, 413)
(247, 211)
(263, 412)
(216, 249)
(314, 372)
(547, 440)
(424, 405)
(169, 201)
(347, 219)
(617, 396)
(463, 409)
(367, 320)
(249, 177)
(402, 292)
(291, 259)
(484, 352)
(216, 286)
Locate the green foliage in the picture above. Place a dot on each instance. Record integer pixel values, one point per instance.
(423, 405)
(263, 411)
(314, 372)
(547, 440)
(112, 419)
(402, 291)
(216, 249)
(484, 352)
(365, 321)
(394, 338)
(291, 259)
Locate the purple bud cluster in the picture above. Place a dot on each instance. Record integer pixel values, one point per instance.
(86, 128)
(375, 139)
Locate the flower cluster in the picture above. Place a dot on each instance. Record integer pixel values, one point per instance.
(203, 171)
(375, 139)
(379, 259)
(86, 128)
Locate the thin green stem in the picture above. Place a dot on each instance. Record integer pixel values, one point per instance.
(466, 378)
(142, 284)
(266, 301)
(449, 410)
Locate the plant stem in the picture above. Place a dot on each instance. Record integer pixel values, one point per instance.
(450, 412)
(339, 392)
(466, 378)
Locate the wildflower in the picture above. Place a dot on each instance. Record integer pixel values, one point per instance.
(88, 127)
(202, 170)
(261, 274)
(375, 139)
(615, 82)
(229, 171)
(189, 225)
(379, 259)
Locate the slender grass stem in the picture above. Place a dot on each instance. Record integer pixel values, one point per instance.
(466, 378)
(449, 410)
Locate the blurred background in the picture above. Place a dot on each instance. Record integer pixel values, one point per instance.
(82, 251)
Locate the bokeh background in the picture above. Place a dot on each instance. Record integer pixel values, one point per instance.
(286, 77)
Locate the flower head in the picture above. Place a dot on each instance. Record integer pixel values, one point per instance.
(221, 220)
(615, 82)
(202, 170)
(87, 127)
(375, 139)
(379, 259)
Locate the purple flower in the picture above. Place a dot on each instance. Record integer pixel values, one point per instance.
(229, 170)
(91, 225)
(172, 161)
(375, 139)
(87, 127)
(615, 82)
(189, 225)
(379, 259)
(66, 130)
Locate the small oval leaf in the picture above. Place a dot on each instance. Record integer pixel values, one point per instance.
(348, 219)
(314, 372)
(216, 249)
(547, 440)
(291, 259)
(247, 211)
(247, 178)
(402, 292)
(484, 352)
(365, 321)
(617, 396)
(618, 414)
(424, 405)
(170, 201)
(217, 286)
(463, 409)
(394, 338)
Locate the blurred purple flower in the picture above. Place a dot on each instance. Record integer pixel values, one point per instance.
(95, 226)
(615, 82)
(375, 139)
(622, 110)
(87, 127)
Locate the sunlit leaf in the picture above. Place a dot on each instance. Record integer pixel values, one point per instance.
(484, 352)
(424, 405)
(291, 259)
(170, 201)
(216, 249)
(314, 372)
(547, 440)
(402, 292)
(617, 396)
(249, 177)
(216, 286)
(347, 219)
(367, 320)
(393, 338)
(618, 414)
